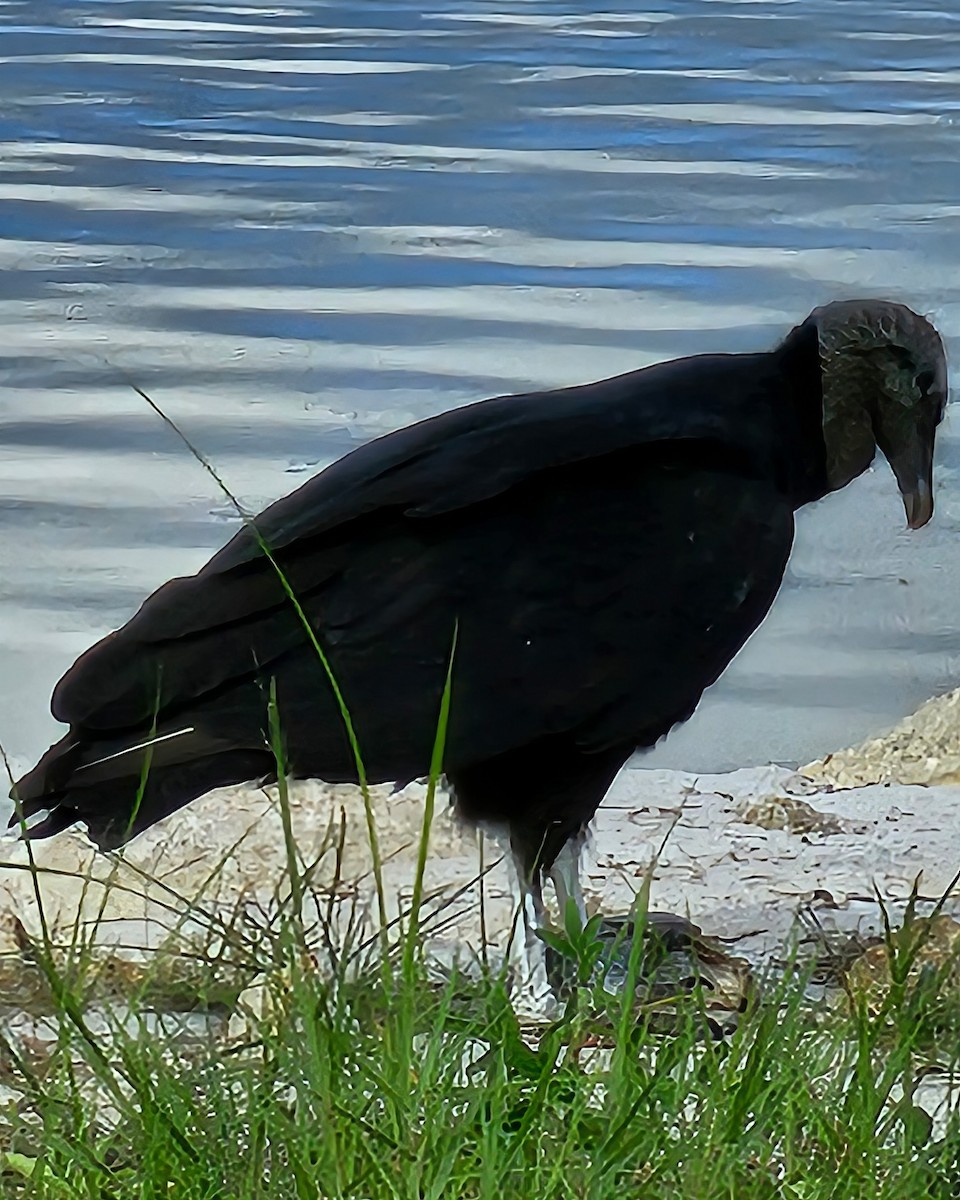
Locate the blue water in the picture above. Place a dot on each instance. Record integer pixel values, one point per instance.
(302, 225)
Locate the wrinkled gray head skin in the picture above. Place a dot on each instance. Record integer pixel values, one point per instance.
(884, 386)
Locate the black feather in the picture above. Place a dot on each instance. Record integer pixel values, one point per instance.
(603, 551)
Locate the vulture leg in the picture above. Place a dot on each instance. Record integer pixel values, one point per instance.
(545, 797)
(565, 877)
(530, 991)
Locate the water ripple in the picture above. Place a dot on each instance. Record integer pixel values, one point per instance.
(301, 226)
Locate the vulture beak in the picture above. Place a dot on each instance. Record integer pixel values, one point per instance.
(918, 504)
(912, 463)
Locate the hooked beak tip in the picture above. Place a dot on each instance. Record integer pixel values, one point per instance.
(918, 505)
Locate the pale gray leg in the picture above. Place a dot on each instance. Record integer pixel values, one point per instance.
(530, 993)
(565, 876)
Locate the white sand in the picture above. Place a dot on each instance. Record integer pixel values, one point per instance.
(742, 853)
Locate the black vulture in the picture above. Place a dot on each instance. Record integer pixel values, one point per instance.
(602, 552)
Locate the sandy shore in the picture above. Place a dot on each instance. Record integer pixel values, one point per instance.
(757, 857)
(743, 854)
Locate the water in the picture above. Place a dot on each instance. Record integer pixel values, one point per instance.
(300, 226)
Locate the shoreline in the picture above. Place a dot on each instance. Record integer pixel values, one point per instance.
(742, 854)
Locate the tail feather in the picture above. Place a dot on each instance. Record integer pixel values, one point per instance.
(48, 777)
(118, 791)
